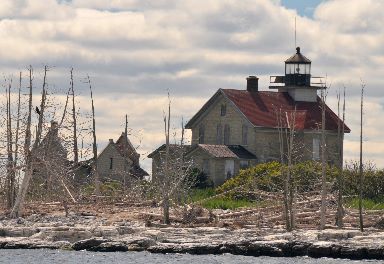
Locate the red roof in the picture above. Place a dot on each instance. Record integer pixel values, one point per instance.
(262, 109)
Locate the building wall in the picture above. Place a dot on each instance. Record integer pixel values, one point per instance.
(303, 94)
(120, 166)
(233, 118)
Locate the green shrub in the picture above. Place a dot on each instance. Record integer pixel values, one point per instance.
(199, 179)
(268, 177)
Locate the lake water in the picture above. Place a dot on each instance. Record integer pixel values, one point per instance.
(25, 256)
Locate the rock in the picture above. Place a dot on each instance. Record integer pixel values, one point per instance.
(265, 248)
(20, 231)
(109, 232)
(88, 244)
(319, 250)
(110, 247)
(298, 248)
(139, 242)
(375, 253)
(351, 252)
(125, 230)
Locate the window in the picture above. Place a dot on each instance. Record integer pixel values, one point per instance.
(229, 168)
(316, 149)
(201, 134)
(219, 134)
(111, 163)
(244, 139)
(244, 164)
(226, 134)
(206, 166)
(223, 110)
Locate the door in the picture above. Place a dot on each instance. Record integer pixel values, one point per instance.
(229, 168)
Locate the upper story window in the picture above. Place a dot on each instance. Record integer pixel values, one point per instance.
(201, 134)
(316, 148)
(111, 163)
(219, 134)
(223, 110)
(244, 137)
(226, 134)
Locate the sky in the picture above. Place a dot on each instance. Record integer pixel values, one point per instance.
(136, 51)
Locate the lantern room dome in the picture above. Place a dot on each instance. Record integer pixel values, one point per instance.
(298, 58)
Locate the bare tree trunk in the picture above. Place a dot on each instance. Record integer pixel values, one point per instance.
(340, 132)
(65, 108)
(75, 148)
(283, 171)
(42, 108)
(17, 132)
(361, 162)
(18, 207)
(166, 219)
(289, 170)
(10, 167)
(95, 171)
(323, 165)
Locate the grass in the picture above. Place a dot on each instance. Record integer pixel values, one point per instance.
(368, 204)
(220, 202)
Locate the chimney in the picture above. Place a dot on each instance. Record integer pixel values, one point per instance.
(110, 140)
(252, 84)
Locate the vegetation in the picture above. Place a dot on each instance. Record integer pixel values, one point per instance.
(267, 177)
(219, 202)
(369, 204)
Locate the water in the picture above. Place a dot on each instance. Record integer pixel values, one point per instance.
(43, 256)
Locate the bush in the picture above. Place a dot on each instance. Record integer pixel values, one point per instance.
(199, 179)
(373, 185)
(268, 177)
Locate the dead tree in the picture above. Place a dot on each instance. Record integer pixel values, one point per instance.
(283, 171)
(171, 180)
(94, 167)
(166, 195)
(18, 206)
(15, 162)
(286, 131)
(291, 122)
(340, 176)
(75, 147)
(323, 163)
(42, 109)
(10, 164)
(361, 179)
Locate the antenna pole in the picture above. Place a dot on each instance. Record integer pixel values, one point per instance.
(295, 33)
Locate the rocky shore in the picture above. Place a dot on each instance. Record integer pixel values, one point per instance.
(89, 233)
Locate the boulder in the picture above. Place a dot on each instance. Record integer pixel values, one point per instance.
(88, 244)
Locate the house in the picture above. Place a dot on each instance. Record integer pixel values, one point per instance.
(238, 128)
(119, 161)
(158, 156)
(49, 163)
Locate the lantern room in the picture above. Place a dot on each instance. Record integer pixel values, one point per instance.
(298, 81)
(297, 70)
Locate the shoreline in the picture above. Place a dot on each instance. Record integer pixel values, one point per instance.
(91, 235)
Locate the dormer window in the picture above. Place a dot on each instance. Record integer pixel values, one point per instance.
(223, 110)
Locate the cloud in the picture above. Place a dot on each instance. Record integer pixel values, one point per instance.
(137, 50)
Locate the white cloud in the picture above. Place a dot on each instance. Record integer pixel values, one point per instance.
(135, 50)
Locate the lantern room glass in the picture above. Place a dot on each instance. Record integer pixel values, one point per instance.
(297, 68)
